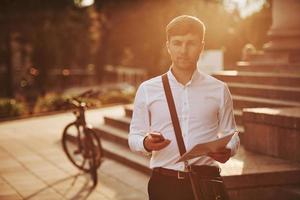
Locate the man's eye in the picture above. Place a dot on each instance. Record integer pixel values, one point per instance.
(176, 43)
(192, 43)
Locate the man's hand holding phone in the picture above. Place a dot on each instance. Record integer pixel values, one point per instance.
(155, 141)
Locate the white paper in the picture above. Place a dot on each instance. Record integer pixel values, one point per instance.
(205, 148)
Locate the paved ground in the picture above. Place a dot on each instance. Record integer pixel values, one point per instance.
(33, 165)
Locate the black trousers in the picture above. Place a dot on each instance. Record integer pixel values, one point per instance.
(163, 187)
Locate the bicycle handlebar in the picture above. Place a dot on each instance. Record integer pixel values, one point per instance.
(85, 94)
(75, 100)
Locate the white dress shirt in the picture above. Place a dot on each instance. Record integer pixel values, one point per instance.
(205, 112)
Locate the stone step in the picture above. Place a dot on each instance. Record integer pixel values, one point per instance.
(240, 102)
(291, 192)
(120, 136)
(128, 110)
(123, 123)
(265, 91)
(279, 128)
(256, 67)
(241, 133)
(118, 122)
(240, 128)
(123, 155)
(238, 116)
(112, 134)
(116, 150)
(246, 163)
(268, 78)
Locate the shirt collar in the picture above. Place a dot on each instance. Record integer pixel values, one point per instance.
(196, 75)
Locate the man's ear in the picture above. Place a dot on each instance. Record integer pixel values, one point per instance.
(167, 45)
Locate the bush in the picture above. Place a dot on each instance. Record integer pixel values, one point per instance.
(51, 102)
(116, 97)
(56, 102)
(12, 108)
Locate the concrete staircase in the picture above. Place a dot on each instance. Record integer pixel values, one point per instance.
(267, 106)
(114, 138)
(247, 176)
(266, 67)
(256, 89)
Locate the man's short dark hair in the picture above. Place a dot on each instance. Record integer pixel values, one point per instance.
(185, 24)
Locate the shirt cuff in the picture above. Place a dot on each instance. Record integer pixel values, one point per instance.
(149, 151)
(142, 147)
(234, 144)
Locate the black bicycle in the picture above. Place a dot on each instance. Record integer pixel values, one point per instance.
(80, 142)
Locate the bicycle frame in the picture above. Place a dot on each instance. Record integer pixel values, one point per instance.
(79, 112)
(85, 139)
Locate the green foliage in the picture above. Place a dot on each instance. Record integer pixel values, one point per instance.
(57, 102)
(12, 108)
(51, 102)
(116, 96)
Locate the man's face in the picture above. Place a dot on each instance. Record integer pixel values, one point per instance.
(184, 50)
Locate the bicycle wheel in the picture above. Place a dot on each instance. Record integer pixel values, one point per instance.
(75, 145)
(94, 147)
(93, 163)
(94, 174)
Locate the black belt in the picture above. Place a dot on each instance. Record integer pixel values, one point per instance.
(203, 171)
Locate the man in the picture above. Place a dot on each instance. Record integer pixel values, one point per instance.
(204, 108)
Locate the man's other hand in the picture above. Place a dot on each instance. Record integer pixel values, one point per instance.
(155, 141)
(222, 155)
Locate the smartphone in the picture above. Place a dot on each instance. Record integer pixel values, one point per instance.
(157, 135)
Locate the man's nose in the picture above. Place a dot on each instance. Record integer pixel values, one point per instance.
(183, 49)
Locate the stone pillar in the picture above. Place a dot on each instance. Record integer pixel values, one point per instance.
(285, 31)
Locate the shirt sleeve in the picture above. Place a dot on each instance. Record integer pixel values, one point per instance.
(227, 123)
(140, 124)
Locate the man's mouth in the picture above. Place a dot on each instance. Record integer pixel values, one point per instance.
(184, 59)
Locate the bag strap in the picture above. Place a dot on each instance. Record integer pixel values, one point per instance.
(178, 133)
(173, 113)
